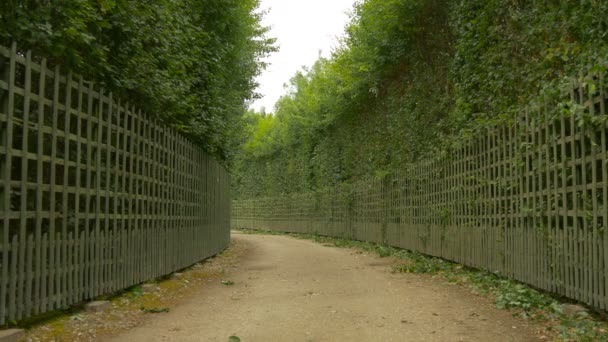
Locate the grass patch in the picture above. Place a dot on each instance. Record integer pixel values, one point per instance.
(47, 317)
(154, 310)
(521, 299)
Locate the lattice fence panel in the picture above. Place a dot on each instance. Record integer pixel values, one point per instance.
(527, 199)
(95, 196)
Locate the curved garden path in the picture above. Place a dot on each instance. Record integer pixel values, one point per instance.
(287, 289)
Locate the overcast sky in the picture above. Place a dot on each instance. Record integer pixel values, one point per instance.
(302, 28)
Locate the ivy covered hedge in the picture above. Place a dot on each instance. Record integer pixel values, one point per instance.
(191, 63)
(410, 78)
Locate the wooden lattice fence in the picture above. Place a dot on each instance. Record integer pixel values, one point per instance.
(527, 199)
(95, 196)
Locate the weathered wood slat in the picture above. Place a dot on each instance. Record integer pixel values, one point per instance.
(7, 107)
(22, 294)
(44, 274)
(13, 279)
(65, 214)
(117, 222)
(88, 280)
(28, 275)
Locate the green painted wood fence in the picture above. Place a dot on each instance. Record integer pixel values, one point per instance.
(95, 197)
(526, 199)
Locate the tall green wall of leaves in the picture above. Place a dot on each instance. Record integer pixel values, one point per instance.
(191, 63)
(411, 78)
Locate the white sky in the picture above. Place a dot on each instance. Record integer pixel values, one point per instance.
(302, 28)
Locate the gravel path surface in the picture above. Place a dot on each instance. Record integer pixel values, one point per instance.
(287, 289)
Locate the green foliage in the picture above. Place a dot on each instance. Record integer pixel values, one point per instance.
(191, 63)
(520, 296)
(135, 292)
(507, 52)
(421, 264)
(263, 136)
(582, 330)
(412, 79)
(350, 116)
(154, 310)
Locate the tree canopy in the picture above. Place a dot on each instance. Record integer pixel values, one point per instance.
(191, 63)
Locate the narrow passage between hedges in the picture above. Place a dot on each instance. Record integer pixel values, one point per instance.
(286, 289)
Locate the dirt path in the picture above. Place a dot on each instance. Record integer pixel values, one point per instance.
(288, 289)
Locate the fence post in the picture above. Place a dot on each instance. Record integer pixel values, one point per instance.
(6, 103)
(386, 207)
